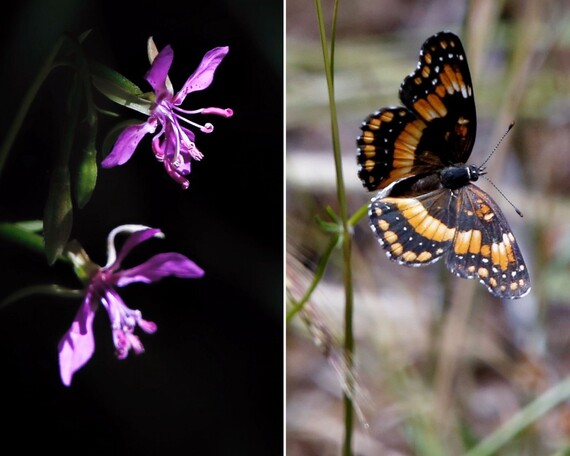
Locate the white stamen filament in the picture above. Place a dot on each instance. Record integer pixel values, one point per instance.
(175, 128)
(111, 251)
(208, 128)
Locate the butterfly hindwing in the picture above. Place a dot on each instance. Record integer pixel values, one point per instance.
(484, 246)
(414, 231)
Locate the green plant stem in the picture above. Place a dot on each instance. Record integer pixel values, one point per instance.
(46, 290)
(26, 103)
(532, 412)
(13, 233)
(319, 273)
(323, 262)
(357, 216)
(346, 232)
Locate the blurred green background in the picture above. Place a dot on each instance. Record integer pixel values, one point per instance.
(440, 363)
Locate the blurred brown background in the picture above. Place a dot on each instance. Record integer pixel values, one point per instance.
(440, 362)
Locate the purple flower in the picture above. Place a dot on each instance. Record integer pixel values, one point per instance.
(173, 144)
(78, 344)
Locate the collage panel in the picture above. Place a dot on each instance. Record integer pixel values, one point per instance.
(141, 293)
(426, 228)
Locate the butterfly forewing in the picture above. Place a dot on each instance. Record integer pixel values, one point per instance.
(440, 92)
(387, 148)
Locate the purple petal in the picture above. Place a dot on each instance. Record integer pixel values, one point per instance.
(175, 175)
(204, 74)
(132, 241)
(135, 343)
(114, 306)
(127, 142)
(186, 152)
(124, 341)
(121, 343)
(158, 72)
(185, 163)
(148, 327)
(77, 346)
(189, 133)
(157, 146)
(159, 266)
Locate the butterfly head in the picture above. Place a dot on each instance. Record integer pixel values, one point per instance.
(457, 176)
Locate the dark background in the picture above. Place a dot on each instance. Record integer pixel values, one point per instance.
(211, 379)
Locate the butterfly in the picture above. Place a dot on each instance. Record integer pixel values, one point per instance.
(428, 206)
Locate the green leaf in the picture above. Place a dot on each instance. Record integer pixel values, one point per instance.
(119, 89)
(58, 214)
(33, 226)
(328, 227)
(86, 175)
(529, 415)
(121, 96)
(101, 72)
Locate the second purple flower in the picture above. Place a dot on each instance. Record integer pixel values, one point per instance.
(173, 144)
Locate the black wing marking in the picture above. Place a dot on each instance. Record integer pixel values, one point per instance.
(388, 148)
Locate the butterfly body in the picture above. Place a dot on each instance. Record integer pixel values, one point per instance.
(414, 156)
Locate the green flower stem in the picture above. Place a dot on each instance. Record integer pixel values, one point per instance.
(532, 412)
(29, 97)
(346, 235)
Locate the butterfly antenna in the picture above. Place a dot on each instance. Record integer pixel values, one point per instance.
(518, 211)
(512, 124)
